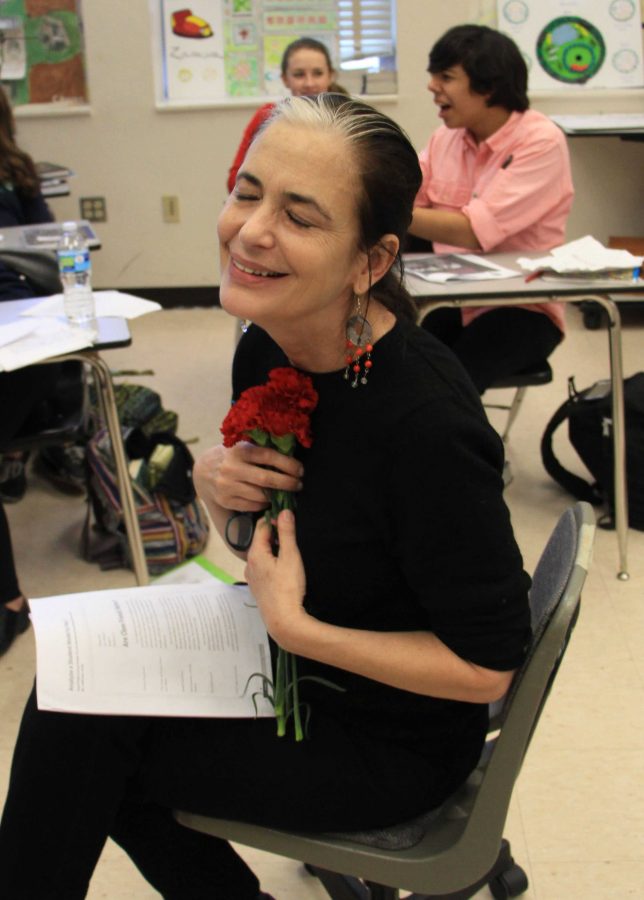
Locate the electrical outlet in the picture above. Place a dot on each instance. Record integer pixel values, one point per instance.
(93, 209)
(170, 207)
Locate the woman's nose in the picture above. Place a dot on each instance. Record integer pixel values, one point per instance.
(258, 228)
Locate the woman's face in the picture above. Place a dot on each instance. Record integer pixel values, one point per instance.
(307, 73)
(289, 232)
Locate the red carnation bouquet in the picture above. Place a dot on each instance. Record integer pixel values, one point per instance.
(277, 414)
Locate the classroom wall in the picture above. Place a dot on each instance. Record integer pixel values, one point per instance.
(132, 153)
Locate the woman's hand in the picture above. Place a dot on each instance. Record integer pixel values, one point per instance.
(239, 478)
(278, 583)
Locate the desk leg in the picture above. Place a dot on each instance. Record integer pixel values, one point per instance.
(108, 403)
(619, 432)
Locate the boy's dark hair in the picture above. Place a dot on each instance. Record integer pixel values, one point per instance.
(492, 61)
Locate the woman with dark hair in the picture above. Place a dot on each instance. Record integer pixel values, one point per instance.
(397, 578)
(496, 177)
(307, 71)
(21, 203)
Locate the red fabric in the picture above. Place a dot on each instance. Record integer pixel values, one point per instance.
(258, 119)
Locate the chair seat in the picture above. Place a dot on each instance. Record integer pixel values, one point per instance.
(538, 373)
(66, 429)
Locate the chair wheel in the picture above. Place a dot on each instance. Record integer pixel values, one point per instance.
(511, 883)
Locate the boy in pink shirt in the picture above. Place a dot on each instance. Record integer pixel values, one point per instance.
(496, 177)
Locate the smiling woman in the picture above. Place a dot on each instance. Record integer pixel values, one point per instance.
(406, 618)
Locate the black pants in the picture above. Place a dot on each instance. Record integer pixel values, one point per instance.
(20, 393)
(498, 343)
(77, 779)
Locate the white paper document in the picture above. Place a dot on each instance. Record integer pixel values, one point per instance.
(14, 331)
(41, 340)
(593, 122)
(442, 267)
(159, 650)
(586, 254)
(108, 303)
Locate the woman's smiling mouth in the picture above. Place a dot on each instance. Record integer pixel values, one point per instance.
(263, 273)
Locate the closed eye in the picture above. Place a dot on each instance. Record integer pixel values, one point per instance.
(297, 221)
(239, 195)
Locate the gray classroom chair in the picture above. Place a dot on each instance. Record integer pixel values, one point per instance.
(454, 851)
(538, 373)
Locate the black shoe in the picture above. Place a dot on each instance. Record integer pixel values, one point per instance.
(13, 479)
(64, 467)
(11, 625)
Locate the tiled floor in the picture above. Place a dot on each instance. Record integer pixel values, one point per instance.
(577, 817)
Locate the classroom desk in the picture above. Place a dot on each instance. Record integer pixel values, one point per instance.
(113, 332)
(543, 290)
(43, 237)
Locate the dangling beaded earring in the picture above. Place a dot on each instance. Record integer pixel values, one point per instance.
(359, 347)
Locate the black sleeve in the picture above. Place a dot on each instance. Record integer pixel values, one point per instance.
(35, 210)
(456, 543)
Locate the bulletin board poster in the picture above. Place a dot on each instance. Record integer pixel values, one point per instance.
(573, 44)
(219, 49)
(42, 54)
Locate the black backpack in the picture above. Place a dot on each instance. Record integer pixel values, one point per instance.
(590, 429)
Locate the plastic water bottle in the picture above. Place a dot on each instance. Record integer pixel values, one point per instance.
(75, 270)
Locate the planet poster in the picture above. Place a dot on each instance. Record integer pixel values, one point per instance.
(576, 44)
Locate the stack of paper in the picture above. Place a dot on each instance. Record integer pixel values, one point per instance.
(162, 650)
(53, 179)
(585, 255)
(26, 342)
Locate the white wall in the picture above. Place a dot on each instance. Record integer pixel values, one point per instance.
(131, 153)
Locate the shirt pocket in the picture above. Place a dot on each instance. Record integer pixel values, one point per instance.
(444, 193)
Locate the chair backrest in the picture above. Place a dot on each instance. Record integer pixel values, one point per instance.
(554, 600)
(39, 267)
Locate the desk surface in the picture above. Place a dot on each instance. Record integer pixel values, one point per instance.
(544, 288)
(113, 331)
(42, 237)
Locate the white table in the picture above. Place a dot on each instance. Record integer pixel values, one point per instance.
(507, 291)
(113, 332)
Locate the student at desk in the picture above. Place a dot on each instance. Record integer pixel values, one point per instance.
(496, 177)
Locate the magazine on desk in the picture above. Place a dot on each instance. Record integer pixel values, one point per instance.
(443, 267)
(159, 650)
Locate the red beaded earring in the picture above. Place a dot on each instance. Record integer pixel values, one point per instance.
(359, 347)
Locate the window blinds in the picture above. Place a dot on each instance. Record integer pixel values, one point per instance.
(365, 28)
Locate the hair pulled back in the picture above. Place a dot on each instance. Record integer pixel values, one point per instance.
(389, 176)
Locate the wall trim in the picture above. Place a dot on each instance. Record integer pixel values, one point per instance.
(173, 297)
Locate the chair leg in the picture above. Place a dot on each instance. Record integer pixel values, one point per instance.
(346, 887)
(339, 887)
(513, 411)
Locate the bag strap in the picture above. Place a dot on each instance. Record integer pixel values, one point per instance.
(574, 484)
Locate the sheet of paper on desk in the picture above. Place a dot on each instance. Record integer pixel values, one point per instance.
(13, 331)
(442, 267)
(586, 254)
(44, 339)
(162, 650)
(108, 303)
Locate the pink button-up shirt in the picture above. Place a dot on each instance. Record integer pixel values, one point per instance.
(515, 188)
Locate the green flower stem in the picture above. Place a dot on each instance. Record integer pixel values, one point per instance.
(297, 720)
(279, 698)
